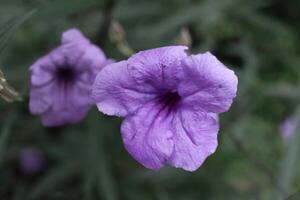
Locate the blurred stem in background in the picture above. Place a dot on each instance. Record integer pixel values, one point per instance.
(5, 133)
(184, 38)
(6, 91)
(288, 162)
(98, 167)
(118, 36)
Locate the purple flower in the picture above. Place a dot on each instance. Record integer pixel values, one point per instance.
(287, 128)
(171, 102)
(31, 160)
(61, 81)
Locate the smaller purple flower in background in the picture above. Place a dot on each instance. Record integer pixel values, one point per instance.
(61, 81)
(31, 160)
(171, 102)
(288, 128)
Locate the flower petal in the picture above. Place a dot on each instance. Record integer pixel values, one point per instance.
(40, 99)
(117, 93)
(207, 84)
(42, 72)
(90, 63)
(195, 139)
(147, 135)
(54, 118)
(74, 47)
(72, 35)
(80, 95)
(67, 105)
(158, 68)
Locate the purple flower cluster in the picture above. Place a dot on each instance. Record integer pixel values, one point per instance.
(170, 100)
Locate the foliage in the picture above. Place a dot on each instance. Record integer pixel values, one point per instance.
(258, 39)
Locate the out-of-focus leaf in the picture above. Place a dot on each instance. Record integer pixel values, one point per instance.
(98, 161)
(282, 90)
(56, 9)
(125, 11)
(52, 179)
(295, 196)
(7, 32)
(5, 133)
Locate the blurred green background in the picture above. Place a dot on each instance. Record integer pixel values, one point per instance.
(258, 39)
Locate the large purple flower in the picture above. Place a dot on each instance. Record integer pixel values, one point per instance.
(61, 81)
(170, 101)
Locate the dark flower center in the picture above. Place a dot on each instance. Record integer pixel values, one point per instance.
(170, 100)
(65, 75)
